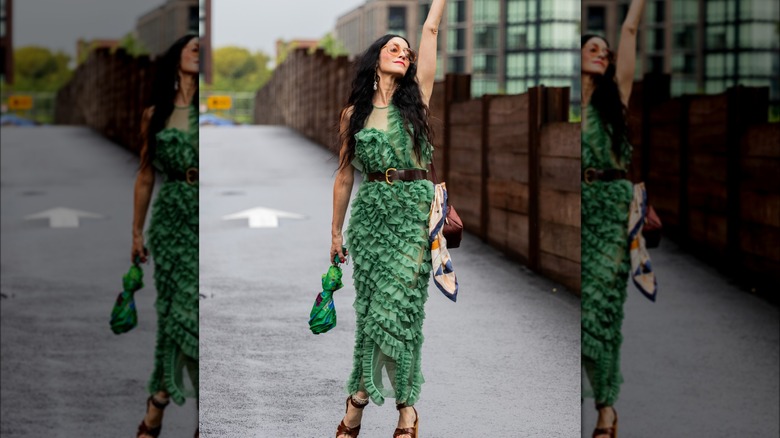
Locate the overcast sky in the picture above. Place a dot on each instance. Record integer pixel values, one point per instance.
(58, 24)
(255, 24)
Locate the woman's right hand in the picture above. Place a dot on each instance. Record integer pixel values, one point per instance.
(139, 250)
(337, 247)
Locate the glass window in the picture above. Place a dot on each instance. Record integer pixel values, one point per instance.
(516, 11)
(485, 37)
(486, 10)
(685, 36)
(597, 18)
(396, 19)
(423, 12)
(716, 37)
(456, 64)
(456, 40)
(716, 65)
(484, 63)
(755, 64)
(516, 37)
(759, 35)
(716, 11)
(556, 64)
(516, 86)
(657, 64)
(456, 12)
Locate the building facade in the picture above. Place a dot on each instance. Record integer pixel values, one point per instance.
(6, 41)
(507, 46)
(706, 46)
(358, 28)
(162, 26)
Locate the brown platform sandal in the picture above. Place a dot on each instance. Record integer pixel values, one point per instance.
(350, 431)
(411, 431)
(611, 431)
(143, 429)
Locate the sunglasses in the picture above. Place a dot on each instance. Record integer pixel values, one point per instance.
(394, 50)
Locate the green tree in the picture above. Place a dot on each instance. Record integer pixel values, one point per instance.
(237, 69)
(132, 45)
(332, 46)
(38, 69)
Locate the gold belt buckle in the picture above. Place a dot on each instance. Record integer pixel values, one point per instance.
(387, 175)
(588, 175)
(191, 176)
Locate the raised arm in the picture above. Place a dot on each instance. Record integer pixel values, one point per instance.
(342, 189)
(626, 53)
(426, 62)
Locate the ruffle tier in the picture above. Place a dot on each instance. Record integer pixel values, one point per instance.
(387, 239)
(173, 242)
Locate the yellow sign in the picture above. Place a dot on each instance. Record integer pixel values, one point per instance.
(20, 102)
(220, 102)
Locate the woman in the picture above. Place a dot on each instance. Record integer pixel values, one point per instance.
(170, 146)
(385, 134)
(606, 195)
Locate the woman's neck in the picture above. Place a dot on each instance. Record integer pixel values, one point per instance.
(588, 86)
(385, 89)
(186, 90)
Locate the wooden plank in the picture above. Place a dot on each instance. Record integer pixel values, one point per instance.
(560, 207)
(709, 230)
(561, 139)
(517, 235)
(760, 208)
(709, 110)
(508, 138)
(508, 166)
(497, 228)
(562, 270)
(560, 240)
(760, 240)
(465, 137)
(560, 173)
(466, 113)
(761, 141)
(760, 174)
(508, 195)
(465, 161)
(509, 110)
(708, 197)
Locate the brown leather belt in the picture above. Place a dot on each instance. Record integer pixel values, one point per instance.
(392, 174)
(190, 176)
(592, 174)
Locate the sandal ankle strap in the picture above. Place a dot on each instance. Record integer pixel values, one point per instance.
(358, 402)
(158, 404)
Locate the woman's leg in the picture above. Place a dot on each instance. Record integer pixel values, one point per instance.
(154, 415)
(354, 416)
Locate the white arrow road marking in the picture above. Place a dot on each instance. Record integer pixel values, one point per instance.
(62, 217)
(261, 217)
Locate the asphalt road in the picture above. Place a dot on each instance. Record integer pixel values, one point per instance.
(501, 362)
(702, 361)
(64, 373)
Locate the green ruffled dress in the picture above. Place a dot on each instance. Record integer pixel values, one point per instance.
(606, 262)
(387, 238)
(173, 242)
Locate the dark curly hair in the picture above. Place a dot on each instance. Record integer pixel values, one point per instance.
(407, 99)
(164, 93)
(606, 99)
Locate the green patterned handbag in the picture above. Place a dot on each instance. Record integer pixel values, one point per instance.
(323, 314)
(124, 316)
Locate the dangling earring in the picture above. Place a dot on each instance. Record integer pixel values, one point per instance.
(176, 84)
(376, 78)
